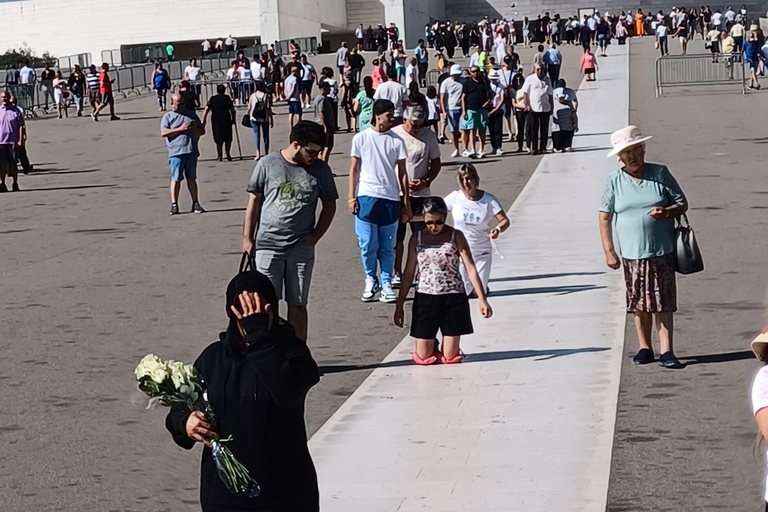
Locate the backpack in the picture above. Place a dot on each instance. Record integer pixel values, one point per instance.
(259, 112)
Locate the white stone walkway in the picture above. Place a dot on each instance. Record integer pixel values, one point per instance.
(526, 423)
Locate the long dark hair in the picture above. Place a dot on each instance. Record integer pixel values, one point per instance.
(368, 85)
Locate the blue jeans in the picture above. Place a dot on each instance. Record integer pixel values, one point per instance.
(255, 125)
(377, 243)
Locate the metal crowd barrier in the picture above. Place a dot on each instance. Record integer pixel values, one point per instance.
(701, 69)
(68, 63)
(238, 90)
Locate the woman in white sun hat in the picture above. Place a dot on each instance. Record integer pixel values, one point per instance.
(760, 396)
(646, 200)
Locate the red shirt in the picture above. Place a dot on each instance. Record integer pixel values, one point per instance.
(105, 85)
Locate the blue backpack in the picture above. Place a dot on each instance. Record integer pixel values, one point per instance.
(161, 80)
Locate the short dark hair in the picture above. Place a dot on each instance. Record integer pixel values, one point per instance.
(382, 106)
(540, 48)
(221, 88)
(435, 205)
(308, 132)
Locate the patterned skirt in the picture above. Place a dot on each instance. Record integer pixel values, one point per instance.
(651, 284)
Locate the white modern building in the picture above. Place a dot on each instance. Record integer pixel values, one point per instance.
(69, 27)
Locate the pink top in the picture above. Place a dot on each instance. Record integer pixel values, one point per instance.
(376, 76)
(587, 61)
(439, 268)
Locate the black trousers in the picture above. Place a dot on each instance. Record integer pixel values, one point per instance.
(496, 129)
(538, 130)
(522, 134)
(663, 48)
(554, 73)
(562, 139)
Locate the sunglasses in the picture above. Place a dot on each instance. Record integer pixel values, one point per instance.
(434, 222)
(311, 152)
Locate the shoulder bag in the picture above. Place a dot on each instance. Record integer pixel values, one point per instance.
(687, 255)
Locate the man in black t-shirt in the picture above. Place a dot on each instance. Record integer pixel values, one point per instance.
(474, 108)
(46, 78)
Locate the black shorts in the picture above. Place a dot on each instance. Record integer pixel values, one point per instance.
(330, 137)
(7, 154)
(417, 208)
(306, 87)
(447, 313)
(107, 98)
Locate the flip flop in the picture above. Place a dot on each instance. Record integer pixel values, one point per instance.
(455, 359)
(424, 362)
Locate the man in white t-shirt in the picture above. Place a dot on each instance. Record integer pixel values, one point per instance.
(292, 84)
(230, 43)
(377, 174)
(717, 20)
(393, 91)
(27, 74)
(538, 96)
(474, 59)
(206, 44)
(410, 73)
(450, 101)
(360, 35)
(194, 74)
(422, 165)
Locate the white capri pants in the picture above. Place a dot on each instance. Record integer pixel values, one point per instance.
(483, 257)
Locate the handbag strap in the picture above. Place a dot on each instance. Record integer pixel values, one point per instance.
(247, 263)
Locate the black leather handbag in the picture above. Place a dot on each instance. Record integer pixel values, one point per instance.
(687, 255)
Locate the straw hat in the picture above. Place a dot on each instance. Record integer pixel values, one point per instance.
(625, 138)
(760, 346)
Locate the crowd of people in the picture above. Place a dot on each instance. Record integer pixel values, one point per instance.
(399, 117)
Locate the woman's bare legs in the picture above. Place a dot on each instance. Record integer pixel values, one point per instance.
(665, 325)
(450, 346)
(644, 328)
(425, 348)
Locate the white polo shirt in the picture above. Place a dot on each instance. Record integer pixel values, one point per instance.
(539, 91)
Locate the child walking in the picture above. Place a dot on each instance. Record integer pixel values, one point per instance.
(433, 117)
(440, 302)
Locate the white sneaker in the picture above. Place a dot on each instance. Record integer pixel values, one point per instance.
(480, 154)
(455, 153)
(498, 152)
(371, 288)
(396, 280)
(465, 153)
(387, 294)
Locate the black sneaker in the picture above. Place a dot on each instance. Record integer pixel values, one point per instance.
(668, 360)
(114, 118)
(643, 356)
(174, 209)
(3, 187)
(15, 187)
(196, 208)
(95, 117)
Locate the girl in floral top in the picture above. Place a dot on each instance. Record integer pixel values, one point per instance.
(440, 302)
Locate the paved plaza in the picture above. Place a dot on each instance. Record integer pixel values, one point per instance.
(547, 413)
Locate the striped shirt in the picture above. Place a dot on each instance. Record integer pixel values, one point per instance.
(93, 81)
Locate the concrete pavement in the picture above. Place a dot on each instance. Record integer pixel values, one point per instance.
(527, 421)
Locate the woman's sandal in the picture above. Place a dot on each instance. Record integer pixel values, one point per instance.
(424, 362)
(455, 359)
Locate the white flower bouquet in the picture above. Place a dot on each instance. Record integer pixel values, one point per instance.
(172, 383)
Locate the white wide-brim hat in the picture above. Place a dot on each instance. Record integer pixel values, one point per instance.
(625, 138)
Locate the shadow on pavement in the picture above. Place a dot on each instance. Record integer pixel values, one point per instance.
(718, 358)
(73, 187)
(557, 290)
(538, 355)
(544, 276)
(53, 170)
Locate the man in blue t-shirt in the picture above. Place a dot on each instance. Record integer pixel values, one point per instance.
(554, 60)
(422, 59)
(181, 129)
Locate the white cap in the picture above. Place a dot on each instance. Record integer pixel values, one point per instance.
(455, 69)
